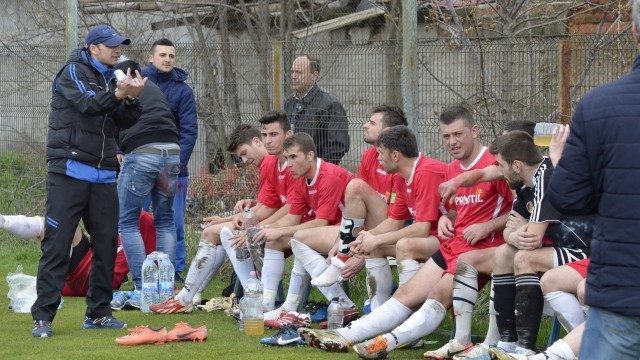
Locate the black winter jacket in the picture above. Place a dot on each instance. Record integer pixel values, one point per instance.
(84, 115)
(321, 115)
(155, 125)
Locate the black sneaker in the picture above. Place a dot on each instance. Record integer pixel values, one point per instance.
(42, 329)
(105, 322)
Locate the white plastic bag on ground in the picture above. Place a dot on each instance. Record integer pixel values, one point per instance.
(22, 291)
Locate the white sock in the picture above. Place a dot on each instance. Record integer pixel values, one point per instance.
(315, 265)
(241, 267)
(22, 226)
(560, 350)
(220, 256)
(406, 269)
(272, 271)
(200, 268)
(493, 334)
(384, 318)
(379, 281)
(299, 278)
(465, 294)
(567, 308)
(422, 323)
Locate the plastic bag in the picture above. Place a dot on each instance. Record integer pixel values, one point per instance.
(22, 291)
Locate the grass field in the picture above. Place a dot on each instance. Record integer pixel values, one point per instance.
(70, 341)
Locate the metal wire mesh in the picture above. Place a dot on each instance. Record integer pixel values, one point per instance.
(499, 79)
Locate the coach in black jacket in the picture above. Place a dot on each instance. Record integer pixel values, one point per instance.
(86, 106)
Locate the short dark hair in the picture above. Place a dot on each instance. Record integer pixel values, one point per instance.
(314, 63)
(454, 113)
(278, 116)
(304, 142)
(399, 138)
(128, 64)
(520, 125)
(161, 42)
(516, 145)
(393, 115)
(242, 135)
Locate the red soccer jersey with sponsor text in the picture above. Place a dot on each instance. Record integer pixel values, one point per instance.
(418, 197)
(482, 202)
(323, 196)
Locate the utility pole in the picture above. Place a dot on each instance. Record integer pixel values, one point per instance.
(409, 61)
(71, 25)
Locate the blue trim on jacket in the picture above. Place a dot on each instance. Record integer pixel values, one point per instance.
(84, 172)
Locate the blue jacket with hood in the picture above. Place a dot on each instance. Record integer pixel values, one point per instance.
(183, 106)
(599, 172)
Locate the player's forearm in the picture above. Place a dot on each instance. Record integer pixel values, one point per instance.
(415, 230)
(497, 224)
(276, 215)
(386, 226)
(290, 230)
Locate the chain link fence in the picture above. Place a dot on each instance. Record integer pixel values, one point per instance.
(539, 79)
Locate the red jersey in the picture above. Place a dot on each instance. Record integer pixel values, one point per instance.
(418, 197)
(372, 172)
(276, 183)
(322, 197)
(266, 191)
(480, 203)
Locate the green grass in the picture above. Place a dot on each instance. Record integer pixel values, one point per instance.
(70, 341)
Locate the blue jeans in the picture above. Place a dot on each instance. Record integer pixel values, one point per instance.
(609, 335)
(143, 175)
(179, 204)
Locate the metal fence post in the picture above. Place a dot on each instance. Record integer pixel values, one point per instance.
(278, 75)
(71, 25)
(409, 61)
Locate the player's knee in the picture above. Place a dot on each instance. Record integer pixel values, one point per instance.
(549, 282)
(355, 188)
(503, 257)
(523, 260)
(404, 248)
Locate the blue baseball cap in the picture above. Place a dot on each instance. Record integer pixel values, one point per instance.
(104, 34)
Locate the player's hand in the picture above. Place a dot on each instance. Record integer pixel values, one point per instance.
(515, 221)
(211, 220)
(523, 240)
(120, 158)
(448, 191)
(558, 139)
(237, 222)
(131, 86)
(333, 252)
(352, 266)
(368, 243)
(445, 228)
(243, 204)
(238, 240)
(268, 235)
(476, 232)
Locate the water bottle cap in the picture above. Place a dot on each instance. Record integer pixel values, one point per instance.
(253, 273)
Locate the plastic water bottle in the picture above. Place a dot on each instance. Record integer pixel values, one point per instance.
(166, 274)
(242, 307)
(335, 314)
(250, 224)
(252, 316)
(149, 283)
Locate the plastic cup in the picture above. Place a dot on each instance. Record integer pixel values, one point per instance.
(542, 133)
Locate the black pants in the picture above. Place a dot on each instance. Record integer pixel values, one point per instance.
(69, 200)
